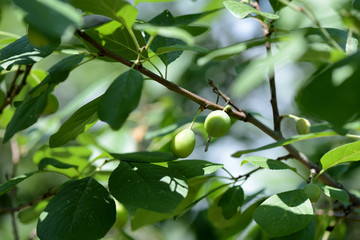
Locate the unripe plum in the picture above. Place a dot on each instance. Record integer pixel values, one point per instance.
(303, 126)
(183, 143)
(217, 123)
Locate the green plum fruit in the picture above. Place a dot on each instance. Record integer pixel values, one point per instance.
(217, 123)
(303, 126)
(183, 143)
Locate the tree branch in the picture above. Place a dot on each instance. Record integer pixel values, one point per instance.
(240, 115)
(271, 71)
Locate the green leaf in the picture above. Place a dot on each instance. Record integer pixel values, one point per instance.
(147, 186)
(83, 209)
(145, 157)
(55, 163)
(284, 213)
(336, 193)
(22, 52)
(193, 168)
(276, 5)
(166, 22)
(284, 142)
(267, 163)
(226, 52)
(242, 10)
(115, 36)
(231, 201)
(32, 213)
(304, 234)
(74, 155)
(144, 217)
(26, 114)
(338, 80)
(30, 109)
(76, 124)
(346, 153)
(57, 15)
(58, 73)
(6, 186)
(121, 98)
(190, 18)
(119, 10)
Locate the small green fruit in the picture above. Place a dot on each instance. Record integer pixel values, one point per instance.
(183, 143)
(217, 123)
(312, 191)
(52, 104)
(303, 126)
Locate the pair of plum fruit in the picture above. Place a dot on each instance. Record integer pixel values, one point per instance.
(217, 124)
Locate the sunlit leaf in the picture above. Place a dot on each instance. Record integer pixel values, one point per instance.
(346, 153)
(242, 10)
(267, 163)
(284, 213)
(119, 10)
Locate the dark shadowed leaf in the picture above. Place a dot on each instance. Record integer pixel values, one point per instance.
(26, 114)
(194, 168)
(145, 157)
(83, 209)
(332, 95)
(55, 163)
(231, 201)
(147, 186)
(121, 98)
(76, 124)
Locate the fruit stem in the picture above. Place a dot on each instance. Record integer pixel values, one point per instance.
(227, 108)
(291, 116)
(196, 115)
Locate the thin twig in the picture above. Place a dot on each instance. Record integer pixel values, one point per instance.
(224, 96)
(29, 204)
(14, 91)
(240, 115)
(15, 160)
(271, 71)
